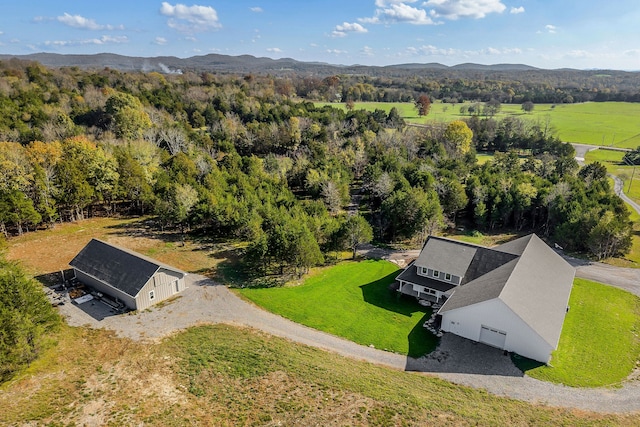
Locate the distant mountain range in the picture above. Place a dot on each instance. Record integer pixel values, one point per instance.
(245, 64)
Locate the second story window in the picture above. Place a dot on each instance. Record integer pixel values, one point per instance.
(436, 273)
(447, 277)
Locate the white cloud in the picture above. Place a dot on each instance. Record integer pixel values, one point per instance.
(494, 51)
(191, 39)
(345, 28)
(577, 54)
(95, 41)
(160, 41)
(78, 21)
(256, 9)
(632, 52)
(517, 10)
(455, 9)
(385, 3)
(274, 50)
(550, 28)
(430, 50)
(336, 51)
(190, 18)
(367, 51)
(392, 11)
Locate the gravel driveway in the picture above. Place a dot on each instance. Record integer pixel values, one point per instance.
(456, 359)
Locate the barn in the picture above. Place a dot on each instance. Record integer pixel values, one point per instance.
(127, 276)
(513, 296)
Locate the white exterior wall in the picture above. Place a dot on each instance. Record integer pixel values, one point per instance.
(521, 339)
(163, 285)
(441, 275)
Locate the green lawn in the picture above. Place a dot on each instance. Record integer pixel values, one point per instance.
(596, 123)
(599, 345)
(352, 300)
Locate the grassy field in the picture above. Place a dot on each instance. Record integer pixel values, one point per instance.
(227, 376)
(49, 251)
(597, 123)
(223, 375)
(599, 345)
(352, 300)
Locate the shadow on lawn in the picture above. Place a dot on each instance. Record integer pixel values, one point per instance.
(378, 293)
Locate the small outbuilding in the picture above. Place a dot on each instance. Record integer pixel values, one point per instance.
(127, 276)
(513, 296)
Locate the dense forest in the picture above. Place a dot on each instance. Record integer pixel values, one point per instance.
(247, 157)
(456, 86)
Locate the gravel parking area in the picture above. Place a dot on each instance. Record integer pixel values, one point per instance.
(456, 359)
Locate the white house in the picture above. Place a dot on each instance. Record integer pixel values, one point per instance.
(134, 279)
(513, 296)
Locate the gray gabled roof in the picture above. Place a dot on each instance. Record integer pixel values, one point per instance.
(447, 255)
(484, 288)
(515, 247)
(535, 285)
(121, 268)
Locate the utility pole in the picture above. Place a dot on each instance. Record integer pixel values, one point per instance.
(628, 162)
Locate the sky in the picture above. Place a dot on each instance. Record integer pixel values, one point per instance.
(581, 34)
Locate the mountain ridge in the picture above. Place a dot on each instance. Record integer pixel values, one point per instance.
(244, 63)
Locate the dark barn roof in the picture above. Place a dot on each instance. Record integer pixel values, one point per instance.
(121, 268)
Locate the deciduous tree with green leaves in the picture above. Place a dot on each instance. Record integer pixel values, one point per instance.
(356, 231)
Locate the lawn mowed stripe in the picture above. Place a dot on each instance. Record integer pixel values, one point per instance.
(352, 300)
(599, 344)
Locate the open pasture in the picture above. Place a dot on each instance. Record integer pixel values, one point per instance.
(597, 123)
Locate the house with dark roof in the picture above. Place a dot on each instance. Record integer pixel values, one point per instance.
(131, 278)
(513, 296)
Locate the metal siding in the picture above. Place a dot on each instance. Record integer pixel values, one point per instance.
(162, 283)
(105, 289)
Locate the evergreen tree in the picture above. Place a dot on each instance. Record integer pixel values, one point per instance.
(25, 317)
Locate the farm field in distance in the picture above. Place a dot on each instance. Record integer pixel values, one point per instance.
(596, 123)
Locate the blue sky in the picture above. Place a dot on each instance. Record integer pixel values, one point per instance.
(542, 33)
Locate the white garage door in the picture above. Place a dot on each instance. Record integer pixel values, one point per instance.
(492, 336)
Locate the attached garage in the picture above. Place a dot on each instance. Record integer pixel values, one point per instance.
(518, 306)
(492, 337)
(127, 276)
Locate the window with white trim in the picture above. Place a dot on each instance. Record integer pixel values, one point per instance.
(152, 295)
(424, 270)
(447, 277)
(436, 273)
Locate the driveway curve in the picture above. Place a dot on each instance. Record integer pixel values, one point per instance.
(456, 359)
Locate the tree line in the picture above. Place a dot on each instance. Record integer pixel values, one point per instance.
(240, 157)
